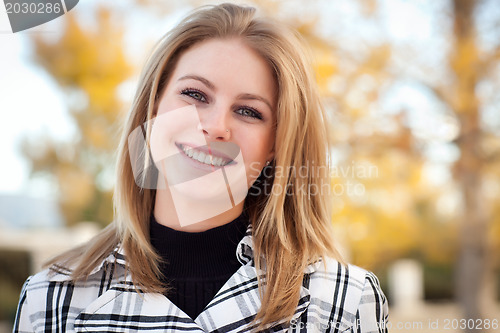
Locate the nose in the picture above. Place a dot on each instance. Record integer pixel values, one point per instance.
(215, 125)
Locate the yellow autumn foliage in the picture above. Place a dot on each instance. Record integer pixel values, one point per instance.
(88, 64)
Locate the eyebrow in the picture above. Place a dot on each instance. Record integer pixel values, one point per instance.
(255, 97)
(244, 96)
(198, 78)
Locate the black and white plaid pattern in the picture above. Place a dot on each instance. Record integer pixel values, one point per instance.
(333, 298)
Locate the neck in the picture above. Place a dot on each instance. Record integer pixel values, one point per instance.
(207, 254)
(190, 215)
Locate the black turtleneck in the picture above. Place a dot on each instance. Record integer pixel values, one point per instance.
(197, 264)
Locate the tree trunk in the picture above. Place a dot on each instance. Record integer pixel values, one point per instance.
(473, 267)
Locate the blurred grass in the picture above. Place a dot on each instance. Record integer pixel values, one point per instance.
(14, 269)
(439, 282)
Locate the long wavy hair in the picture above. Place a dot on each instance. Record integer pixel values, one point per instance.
(288, 209)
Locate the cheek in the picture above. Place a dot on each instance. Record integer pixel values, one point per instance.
(255, 153)
(162, 133)
(169, 102)
(172, 125)
(267, 143)
(257, 148)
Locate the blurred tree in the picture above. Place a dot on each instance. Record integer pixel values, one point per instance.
(472, 66)
(88, 65)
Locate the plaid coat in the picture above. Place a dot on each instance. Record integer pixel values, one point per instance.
(333, 298)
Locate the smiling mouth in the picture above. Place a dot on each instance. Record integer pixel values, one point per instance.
(203, 157)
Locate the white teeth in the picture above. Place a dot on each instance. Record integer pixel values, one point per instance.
(203, 158)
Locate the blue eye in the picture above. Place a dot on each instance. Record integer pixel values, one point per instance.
(247, 111)
(195, 94)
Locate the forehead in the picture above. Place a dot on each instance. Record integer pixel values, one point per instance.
(229, 64)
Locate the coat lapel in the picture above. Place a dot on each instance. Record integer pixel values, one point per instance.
(122, 308)
(237, 303)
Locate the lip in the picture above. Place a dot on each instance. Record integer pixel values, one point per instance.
(208, 151)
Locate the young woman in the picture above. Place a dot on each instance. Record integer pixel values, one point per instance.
(222, 208)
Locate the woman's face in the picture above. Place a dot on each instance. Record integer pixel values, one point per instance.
(216, 116)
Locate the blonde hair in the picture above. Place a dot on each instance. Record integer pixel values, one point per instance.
(291, 226)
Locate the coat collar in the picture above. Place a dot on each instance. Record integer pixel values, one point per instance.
(231, 309)
(63, 272)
